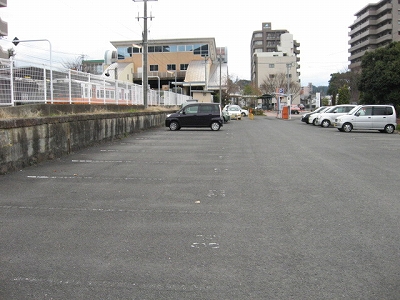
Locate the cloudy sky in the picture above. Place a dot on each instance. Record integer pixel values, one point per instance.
(86, 27)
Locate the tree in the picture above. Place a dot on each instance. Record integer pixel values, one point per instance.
(344, 95)
(271, 83)
(338, 80)
(74, 64)
(380, 76)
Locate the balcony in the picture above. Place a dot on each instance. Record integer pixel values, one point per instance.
(383, 8)
(369, 32)
(360, 45)
(364, 25)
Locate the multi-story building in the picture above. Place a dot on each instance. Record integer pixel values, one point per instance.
(376, 25)
(3, 30)
(180, 64)
(273, 53)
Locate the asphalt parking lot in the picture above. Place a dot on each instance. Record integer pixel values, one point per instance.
(262, 209)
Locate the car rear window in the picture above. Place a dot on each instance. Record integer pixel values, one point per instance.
(382, 110)
(208, 109)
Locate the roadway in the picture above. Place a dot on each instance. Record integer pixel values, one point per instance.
(262, 209)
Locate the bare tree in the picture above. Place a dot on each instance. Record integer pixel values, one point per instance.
(271, 83)
(74, 64)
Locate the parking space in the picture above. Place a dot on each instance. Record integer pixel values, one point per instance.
(261, 209)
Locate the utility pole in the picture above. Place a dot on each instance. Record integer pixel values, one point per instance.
(289, 98)
(145, 49)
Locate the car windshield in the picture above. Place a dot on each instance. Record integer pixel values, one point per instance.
(329, 110)
(326, 109)
(319, 109)
(354, 110)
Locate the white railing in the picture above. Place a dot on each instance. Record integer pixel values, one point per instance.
(22, 83)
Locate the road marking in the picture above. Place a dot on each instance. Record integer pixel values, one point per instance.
(116, 284)
(114, 210)
(97, 177)
(205, 241)
(216, 193)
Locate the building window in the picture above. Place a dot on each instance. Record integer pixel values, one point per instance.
(153, 68)
(271, 76)
(272, 66)
(201, 49)
(171, 67)
(183, 67)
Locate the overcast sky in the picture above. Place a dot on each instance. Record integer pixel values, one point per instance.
(76, 27)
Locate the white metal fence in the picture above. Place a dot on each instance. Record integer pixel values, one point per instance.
(22, 83)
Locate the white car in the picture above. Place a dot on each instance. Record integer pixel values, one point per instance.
(234, 112)
(312, 119)
(368, 117)
(243, 112)
(327, 118)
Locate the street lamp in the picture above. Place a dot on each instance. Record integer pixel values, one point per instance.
(16, 41)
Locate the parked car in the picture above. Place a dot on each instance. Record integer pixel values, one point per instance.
(243, 112)
(327, 118)
(368, 117)
(196, 115)
(294, 109)
(312, 118)
(305, 117)
(234, 112)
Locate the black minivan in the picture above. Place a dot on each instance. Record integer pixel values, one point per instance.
(196, 115)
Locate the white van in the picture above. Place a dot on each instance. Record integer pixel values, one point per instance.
(368, 117)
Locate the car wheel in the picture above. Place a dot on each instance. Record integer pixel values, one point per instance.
(174, 126)
(243, 114)
(325, 123)
(347, 127)
(215, 126)
(314, 122)
(389, 128)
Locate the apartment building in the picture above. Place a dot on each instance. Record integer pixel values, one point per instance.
(3, 30)
(376, 25)
(273, 53)
(183, 65)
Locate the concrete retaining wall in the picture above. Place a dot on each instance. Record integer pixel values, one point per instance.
(27, 141)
